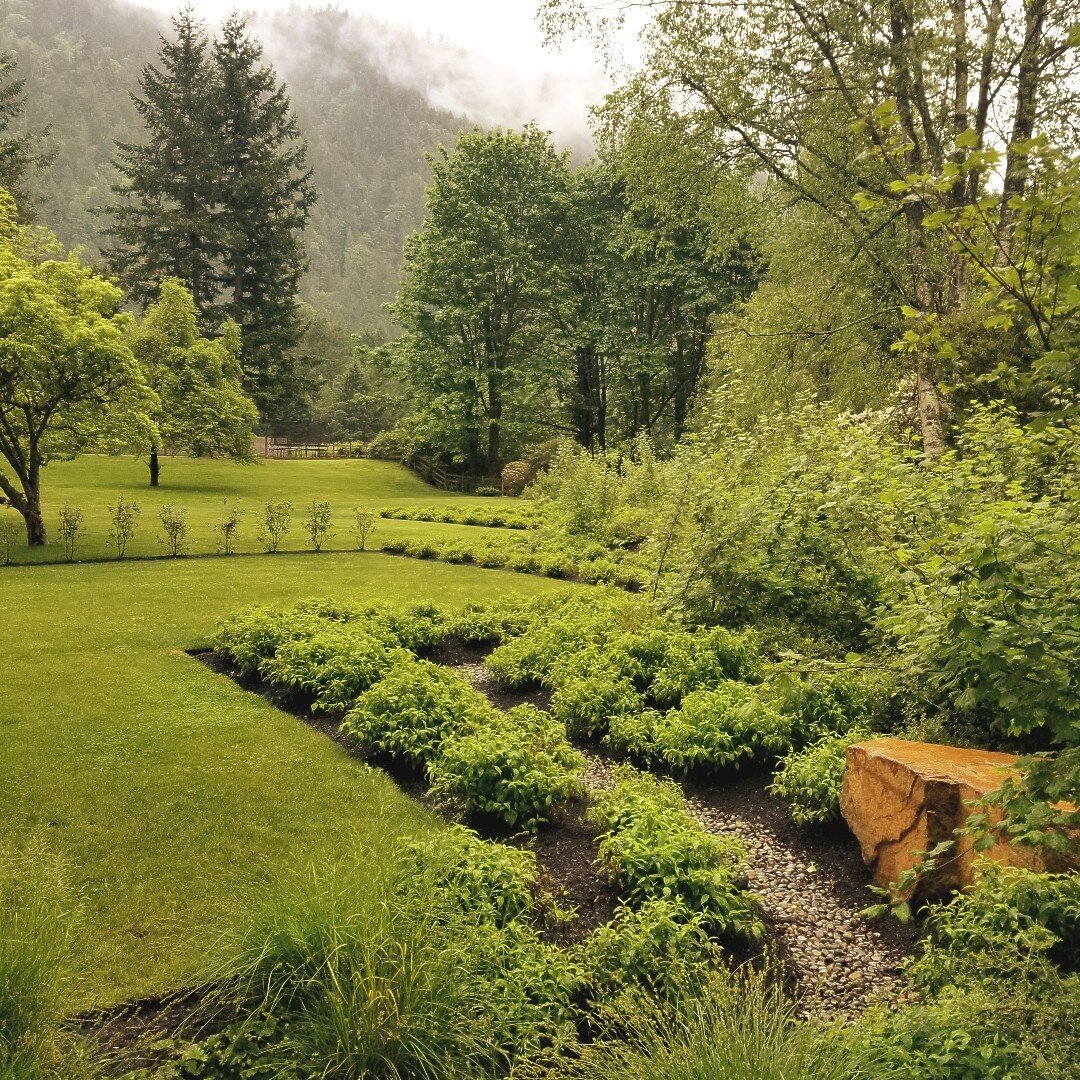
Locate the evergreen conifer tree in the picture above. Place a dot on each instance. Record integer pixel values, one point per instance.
(19, 154)
(218, 196)
(266, 197)
(165, 224)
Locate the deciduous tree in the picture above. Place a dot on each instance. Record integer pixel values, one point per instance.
(68, 380)
(203, 409)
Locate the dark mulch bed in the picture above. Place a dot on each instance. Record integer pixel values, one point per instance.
(565, 850)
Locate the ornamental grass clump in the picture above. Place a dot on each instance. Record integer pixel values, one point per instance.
(376, 969)
(38, 914)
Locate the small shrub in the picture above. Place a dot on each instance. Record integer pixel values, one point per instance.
(363, 525)
(175, 529)
(725, 726)
(249, 638)
(703, 659)
(662, 947)
(335, 665)
(378, 971)
(10, 532)
(122, 519)
(318, 524)
(1006, 927)
(413, 710)
(515, 475)
(652, 848)
(489, 880)
(810, 779)
(70, 529)
(515, 766)
(276, 525)
(228, 529)
(586, 703)
(487, 490)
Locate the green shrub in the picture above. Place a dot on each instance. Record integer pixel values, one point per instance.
(810, 779)
(413, 710)
(834, 701)
(335, 665)
(412, 626)
(1000, 1031)
(662, 947)
(703, 659)
(1004, 929)
(587, 702)
(491, 881)
(251, 637)
(652, 848)
(515, 766)
(725, 726)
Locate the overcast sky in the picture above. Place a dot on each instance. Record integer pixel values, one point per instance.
(560, 83)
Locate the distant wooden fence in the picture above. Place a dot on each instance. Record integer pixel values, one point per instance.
(444, 478)
(434, 473)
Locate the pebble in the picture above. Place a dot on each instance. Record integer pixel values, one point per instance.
(839, 965)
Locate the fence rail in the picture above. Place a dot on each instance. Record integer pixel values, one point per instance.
(431, 471)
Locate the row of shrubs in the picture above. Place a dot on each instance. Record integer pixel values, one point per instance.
(274, 524)
(360, 666)
(700, 700)
(560, 557)
(619, 674)
(515, 517)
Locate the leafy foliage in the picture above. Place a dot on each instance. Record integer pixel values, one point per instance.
(516, 766)
(653, 848)
(810, 779)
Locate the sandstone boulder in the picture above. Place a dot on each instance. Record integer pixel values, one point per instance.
(900, 798)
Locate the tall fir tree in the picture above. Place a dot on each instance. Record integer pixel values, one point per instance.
(165, 225)
(20, 154)
(218, 196)
(266, 197)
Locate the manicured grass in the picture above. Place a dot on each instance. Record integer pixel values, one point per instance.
(168, 788)
(206, 488)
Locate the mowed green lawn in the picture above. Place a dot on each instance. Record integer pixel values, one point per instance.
(207, 488)
(169, 790)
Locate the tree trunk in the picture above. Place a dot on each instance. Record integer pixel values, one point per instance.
(931, 411)
(586, 407)
(28, 503)
(494, 448)
(155, 469)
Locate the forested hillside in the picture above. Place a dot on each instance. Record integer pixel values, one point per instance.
(367, 134)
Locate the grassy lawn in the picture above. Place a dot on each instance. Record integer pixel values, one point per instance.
(167, 788)
(205, 488)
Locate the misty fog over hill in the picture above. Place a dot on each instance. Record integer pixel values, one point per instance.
(372, 99)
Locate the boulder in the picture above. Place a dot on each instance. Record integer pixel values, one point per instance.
(901, 798)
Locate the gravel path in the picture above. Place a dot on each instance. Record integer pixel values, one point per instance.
(839, 963)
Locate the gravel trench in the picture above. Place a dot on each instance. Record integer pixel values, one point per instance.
(837, 962)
